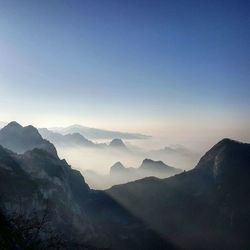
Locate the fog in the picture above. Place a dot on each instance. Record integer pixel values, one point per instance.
(98, 160)
(95, 163)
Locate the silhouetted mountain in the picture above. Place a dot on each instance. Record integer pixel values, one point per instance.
(68, 140)
(37, 184)
(95, 134)
(20, 139)
(44, 204)
(226, 158)
(204, 208)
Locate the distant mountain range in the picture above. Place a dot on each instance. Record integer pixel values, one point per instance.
(176, 155)
(67, 140)
(147, 168)
(95, 133)
(91, 133)
(77, 140)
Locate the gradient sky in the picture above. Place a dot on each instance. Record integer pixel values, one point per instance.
(149, 66)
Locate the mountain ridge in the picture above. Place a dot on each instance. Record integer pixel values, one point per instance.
(68, 140)
(95, 133)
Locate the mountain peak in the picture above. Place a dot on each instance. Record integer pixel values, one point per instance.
(227, 157)
(149, 164)
(152, 166)
(227, 141)
(13, 124)
(149, 161)
(30, 127)
(118, 165)
(117, 168)
(117, 143)
(20, 139)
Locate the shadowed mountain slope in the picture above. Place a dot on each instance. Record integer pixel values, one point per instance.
(205, 208)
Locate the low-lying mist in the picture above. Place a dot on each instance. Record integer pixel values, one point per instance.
(98, 160)
(95, 163)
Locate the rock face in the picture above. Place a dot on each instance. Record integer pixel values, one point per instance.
(227, 159)
(204, 208)
(38, 184)
(20, 139)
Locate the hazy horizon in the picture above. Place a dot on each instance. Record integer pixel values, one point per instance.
(198, 140)
(174, 70)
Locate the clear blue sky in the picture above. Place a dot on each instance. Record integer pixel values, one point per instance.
(126, 64)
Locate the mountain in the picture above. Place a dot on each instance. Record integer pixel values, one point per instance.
(157, 168)
(20, 139)
(117, 168)
(76, 139)
(95, 133)
(67, 140)
(207, 207)
(45, 204)
(117, 144)
(37, 185)
(147, 168)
